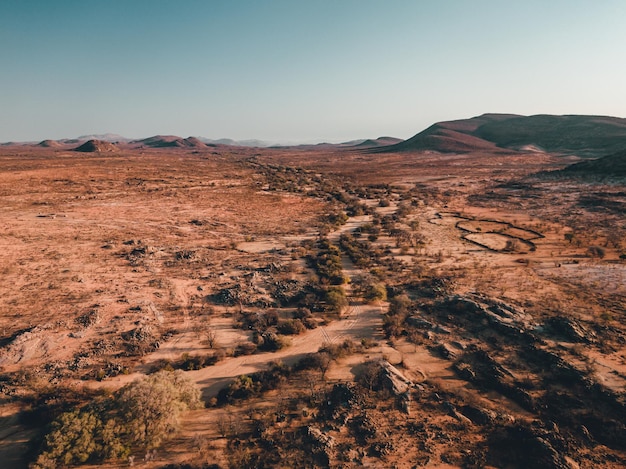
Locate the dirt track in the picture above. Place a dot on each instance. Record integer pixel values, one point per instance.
(367, 324)
(357, 322)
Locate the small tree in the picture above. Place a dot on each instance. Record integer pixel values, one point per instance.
(211, 337)
(323, 360)
(142, 413)
(151, 406)
(369, 375)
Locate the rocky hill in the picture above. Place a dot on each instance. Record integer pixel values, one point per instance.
(584, 136)
(96, 146)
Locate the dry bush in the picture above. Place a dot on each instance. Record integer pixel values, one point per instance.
(597, 252)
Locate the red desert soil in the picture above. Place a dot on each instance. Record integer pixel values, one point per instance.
(498, 296)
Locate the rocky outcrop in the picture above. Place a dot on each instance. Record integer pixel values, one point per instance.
(393, 379)
(502, 317)
(569, 329)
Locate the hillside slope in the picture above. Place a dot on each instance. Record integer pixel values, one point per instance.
(584, 136)
(610, 167)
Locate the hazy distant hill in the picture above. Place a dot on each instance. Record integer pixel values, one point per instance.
(50, 144)
(239, 143)
(585, 136)
(104, 137)
(168, 141)
(379, 142)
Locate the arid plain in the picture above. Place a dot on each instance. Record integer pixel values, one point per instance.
(336, 306)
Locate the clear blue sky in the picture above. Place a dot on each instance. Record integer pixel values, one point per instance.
(294, 71)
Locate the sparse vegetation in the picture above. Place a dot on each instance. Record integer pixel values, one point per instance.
(504, 321)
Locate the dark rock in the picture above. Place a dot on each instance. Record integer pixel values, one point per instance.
(419, 323)
(569, 329)
(393, 379)
(446, 351)
(320, 439)
(479, 415)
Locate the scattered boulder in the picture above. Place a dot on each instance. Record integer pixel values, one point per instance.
(139, 334)
(321, 445)
(393, 379)
(479, 415)
(29, 343)
(479, 368)
(319, 439)
(381, 448)
(453, 412)
(461, 305)
(419, 323)
(185, 255)
(140, 340)
(287, 292)
(439, 329)
(445, 350)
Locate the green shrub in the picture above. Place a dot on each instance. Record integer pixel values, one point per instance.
(246, 348)
(273, 342)
(291, 327)
(336, 299)
(327, 263)
(375, 292)
(346, 348)
(247, 386)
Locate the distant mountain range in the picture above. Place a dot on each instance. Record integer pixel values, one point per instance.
(157, 141)
(104, 137)
(174, 141)
(584, 136)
